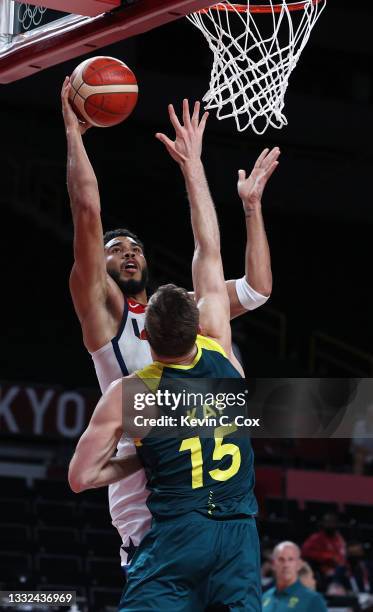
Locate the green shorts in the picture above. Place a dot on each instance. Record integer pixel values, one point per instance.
(188, 563)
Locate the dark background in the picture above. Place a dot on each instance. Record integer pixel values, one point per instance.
(317, 207)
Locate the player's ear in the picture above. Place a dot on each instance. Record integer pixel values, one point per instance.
(144, 335)
(199, 331)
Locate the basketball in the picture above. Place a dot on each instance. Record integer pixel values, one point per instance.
(103, 91)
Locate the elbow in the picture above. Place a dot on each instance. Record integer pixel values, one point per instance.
(85, 207)
(266, 290)
(207, 250)
(78, 482)
(86, 200)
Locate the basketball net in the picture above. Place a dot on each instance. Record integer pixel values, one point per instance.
(255, 48)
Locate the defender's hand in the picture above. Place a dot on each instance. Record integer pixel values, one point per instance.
(187, 146)
(71, 120)
(251, 189)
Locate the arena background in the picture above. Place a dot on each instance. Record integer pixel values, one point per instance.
(318, 216)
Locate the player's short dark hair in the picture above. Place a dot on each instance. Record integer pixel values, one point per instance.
(171, 321)
(122, 232)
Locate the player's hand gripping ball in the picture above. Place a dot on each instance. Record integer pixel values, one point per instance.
(103, 91)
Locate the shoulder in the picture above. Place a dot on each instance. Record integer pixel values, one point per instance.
(266, 597)
(316, 602)
(150, 376)
(314, 537)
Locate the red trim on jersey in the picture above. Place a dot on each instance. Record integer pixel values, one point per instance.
(135, 307)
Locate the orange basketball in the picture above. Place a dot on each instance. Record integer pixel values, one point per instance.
(103, 91)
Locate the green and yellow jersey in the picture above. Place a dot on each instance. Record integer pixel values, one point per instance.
(214, 475)
(296, 598)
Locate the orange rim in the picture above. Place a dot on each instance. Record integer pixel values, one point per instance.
(258, 8)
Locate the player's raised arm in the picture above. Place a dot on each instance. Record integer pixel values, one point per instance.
(208, 277)
(88, 281)
(254, 288)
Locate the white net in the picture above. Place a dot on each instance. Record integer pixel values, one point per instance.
(255, 49)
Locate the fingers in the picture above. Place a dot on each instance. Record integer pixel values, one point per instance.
(174, 119)
(241, 175)
(267, 157)
(186, 113)
(260, 158)
(202, 124)
(195, 116)
(188, 121)
(64, 85)
(163, 138)
(85, 126)
(170, 146)
(65, 90)
(271, 169)
(271, 157)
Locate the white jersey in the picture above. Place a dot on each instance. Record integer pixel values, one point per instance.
(121, 356)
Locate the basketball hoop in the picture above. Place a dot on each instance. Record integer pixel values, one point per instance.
(256, 46)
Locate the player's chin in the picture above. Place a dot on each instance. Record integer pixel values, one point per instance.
(127, 275)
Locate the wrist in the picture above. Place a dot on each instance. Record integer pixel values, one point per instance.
(191, 165)
(252, 209)
(73, 132)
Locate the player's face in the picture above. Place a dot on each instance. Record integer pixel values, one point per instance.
(286, 564)
(126, 263)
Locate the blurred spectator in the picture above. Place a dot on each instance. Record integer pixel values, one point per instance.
(362, 443)
(326, 548)
(336, 589)
(306, 576)
(357, 576)
(289, 592)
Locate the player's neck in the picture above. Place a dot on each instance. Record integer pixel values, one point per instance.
(186, 359)
(140, 298)
(284, 584)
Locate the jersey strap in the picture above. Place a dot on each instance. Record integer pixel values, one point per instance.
(115, 341)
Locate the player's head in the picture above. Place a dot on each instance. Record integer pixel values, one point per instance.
(329, 523)
(286, 562)
(125, 261)
(306, 576)
(171, 322)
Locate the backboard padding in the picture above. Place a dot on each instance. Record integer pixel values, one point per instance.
(74, 36)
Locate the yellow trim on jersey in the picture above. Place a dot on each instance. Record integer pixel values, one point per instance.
(210, 344)
(151, 375)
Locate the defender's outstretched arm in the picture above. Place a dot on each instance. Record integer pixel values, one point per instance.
(208, 277)
(254, 289)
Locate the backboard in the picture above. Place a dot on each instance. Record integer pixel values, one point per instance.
(37, 35)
